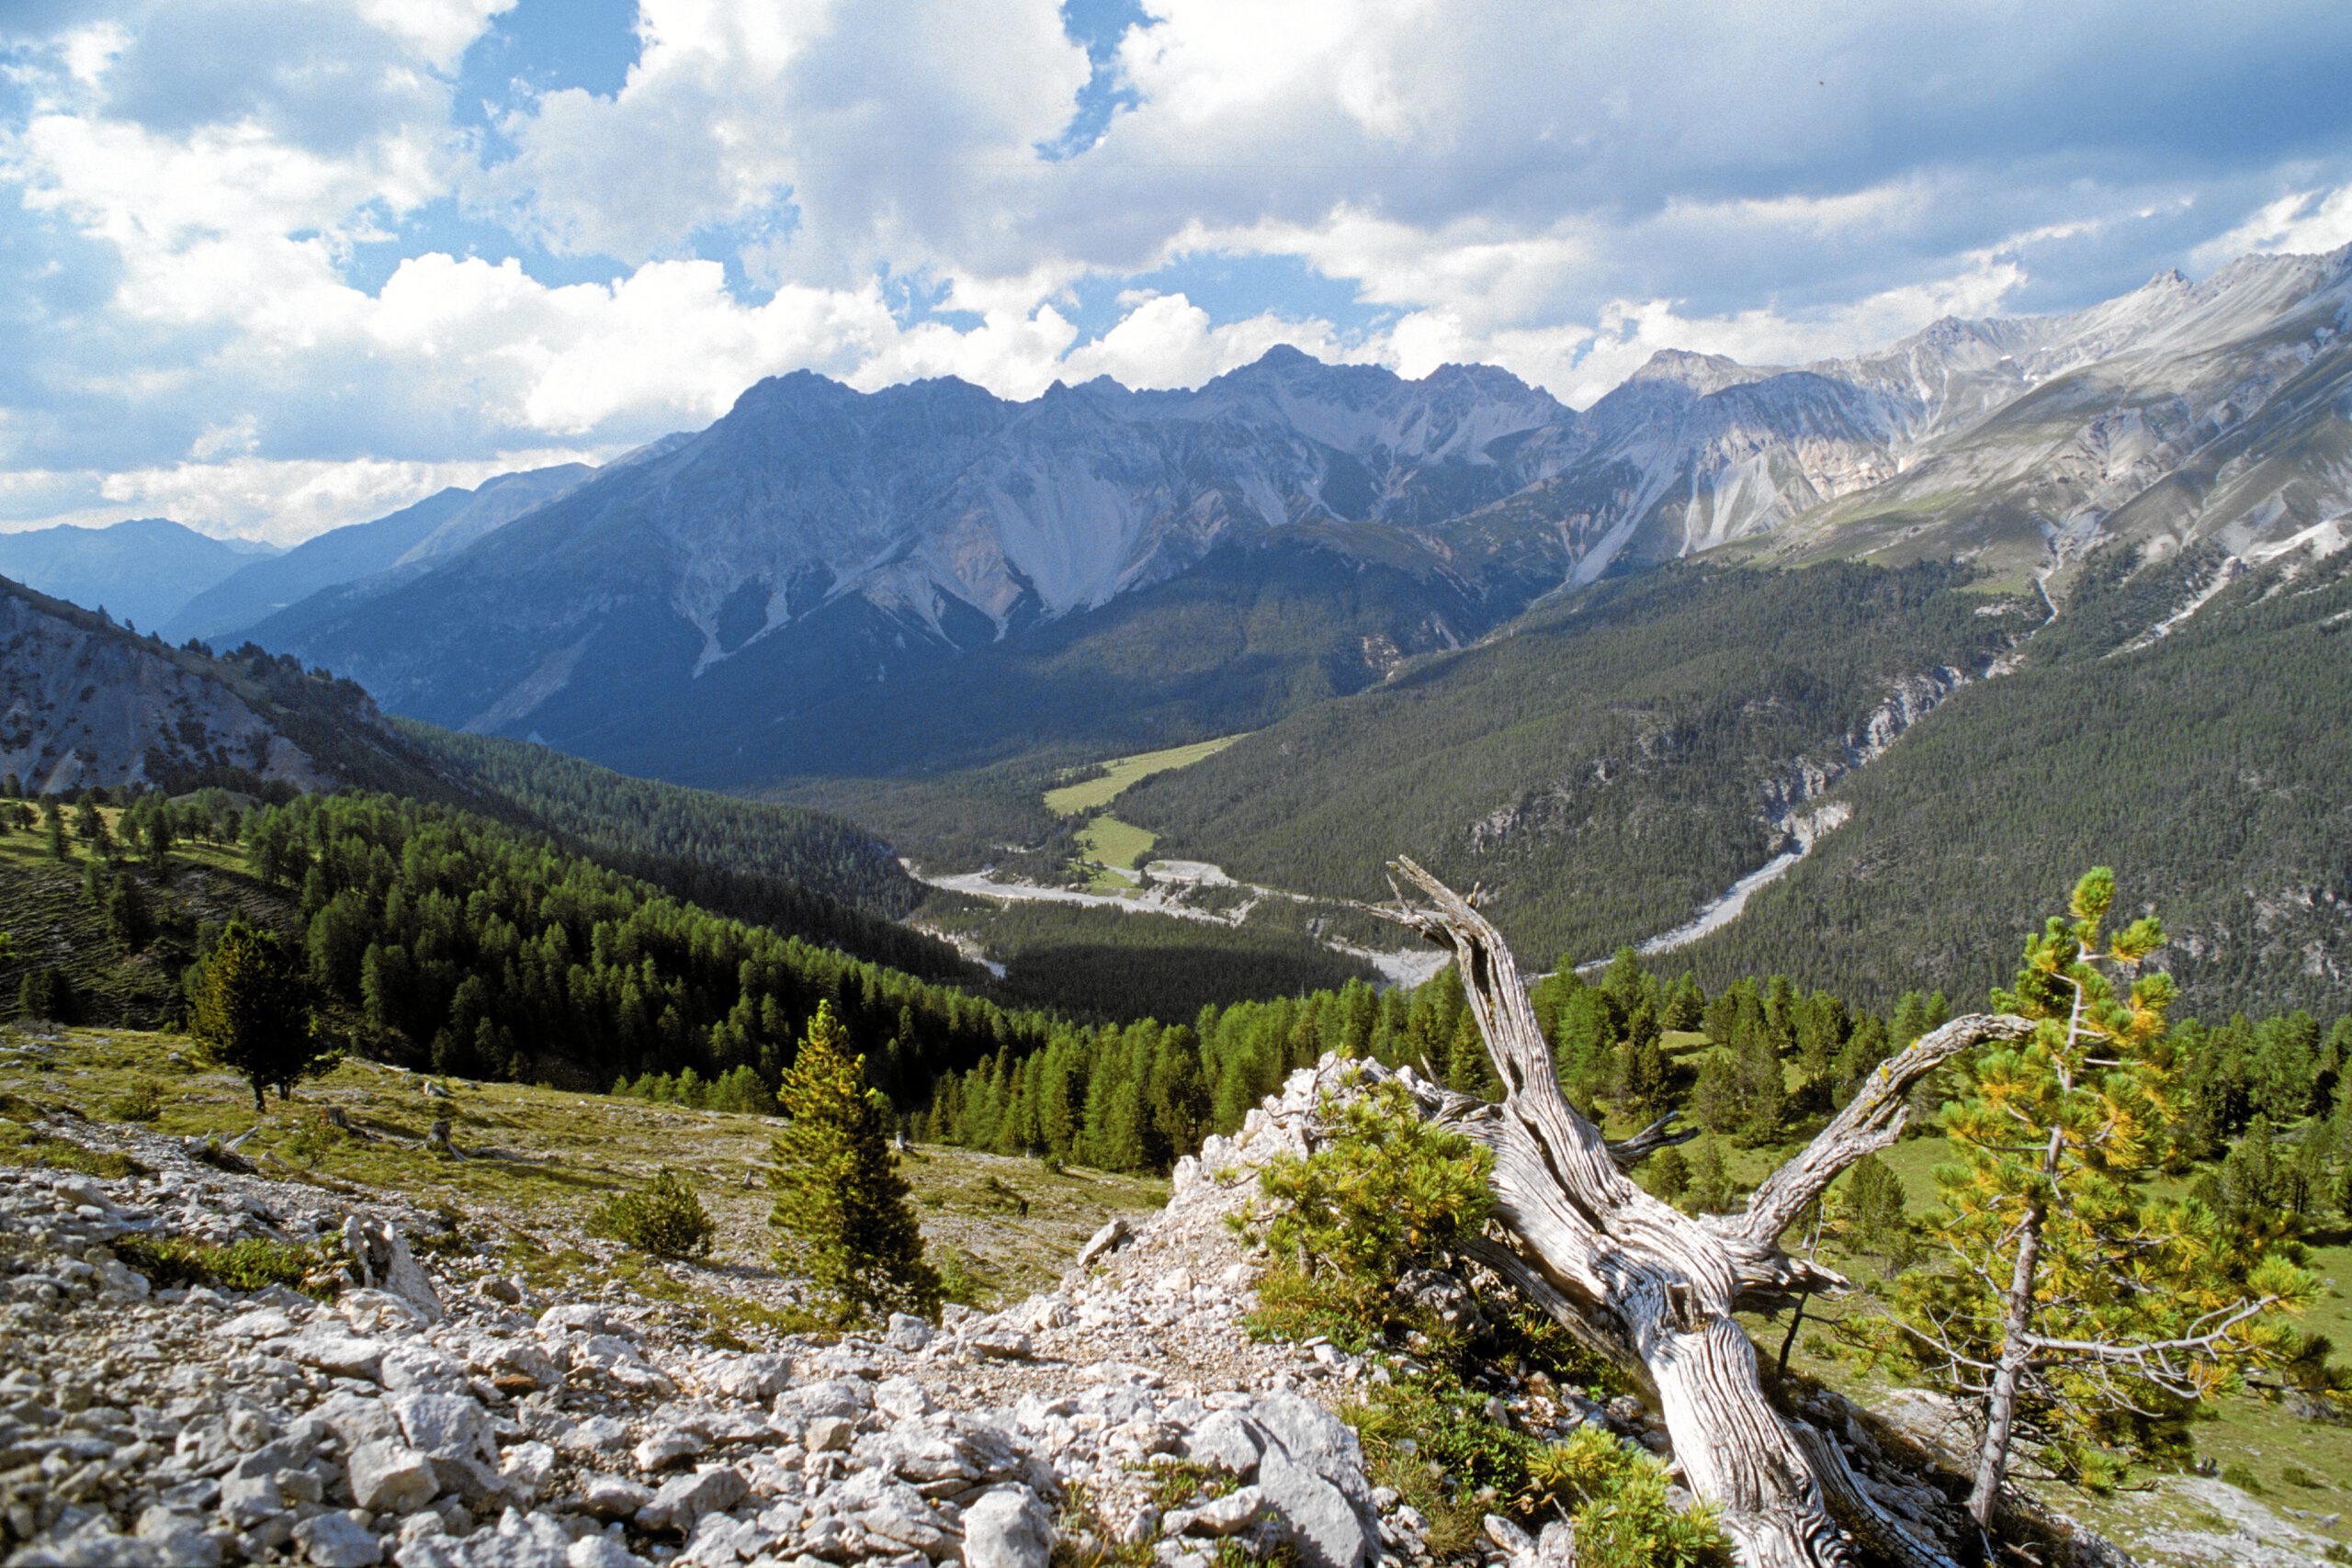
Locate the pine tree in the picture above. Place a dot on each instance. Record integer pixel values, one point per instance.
(1649, 1089)
(249, 1008)
(840, 1200)
(1875, 1223)
(1668, 1173)
(2084, 1315)
(1711, 1191)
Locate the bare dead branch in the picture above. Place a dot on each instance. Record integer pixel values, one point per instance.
(1869, 1121)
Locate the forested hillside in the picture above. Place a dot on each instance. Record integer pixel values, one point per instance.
(459, 942)
(2210, 761)
(1605, 765)
(613, 814)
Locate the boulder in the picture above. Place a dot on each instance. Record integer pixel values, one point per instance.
(903, 1398)
(614, 1496)
(1228, 1515)
(1008, 1527)
(999, 1341)
(1226, 1440)
(671, 1447)
(1312, 1475)
(681, 1502)
(246, 1500)
(337, 1541)
(381, 1259)
(1103, 1242)
(337, 1354)
(846, 1397)
(758, 1378)
(172, 1537)
(445, 1426)
(906, 1333)
(390, 1478)
(601, 1552)
(519, 1541)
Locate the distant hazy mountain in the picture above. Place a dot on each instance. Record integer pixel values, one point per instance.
(830, 582)
(140, 570)
(439, 525)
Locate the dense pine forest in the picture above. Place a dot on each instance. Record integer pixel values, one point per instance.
(486, 951)
(819, 877)
(474, 947)
(2209, 760)
(1123, 966)
(610, 812)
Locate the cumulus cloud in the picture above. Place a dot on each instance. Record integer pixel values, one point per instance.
(272, 261)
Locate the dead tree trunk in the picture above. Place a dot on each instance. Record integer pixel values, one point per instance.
(1655, 1289)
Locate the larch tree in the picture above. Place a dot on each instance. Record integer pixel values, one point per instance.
(840, 1202)
(250, 1010)
(2078, 1311)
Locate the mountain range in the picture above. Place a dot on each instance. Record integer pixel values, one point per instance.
(830, 582)
(140, 570)
(912, 605)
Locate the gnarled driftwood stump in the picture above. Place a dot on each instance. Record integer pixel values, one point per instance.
(1654, 1289)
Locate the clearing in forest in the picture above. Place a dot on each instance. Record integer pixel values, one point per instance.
(1115, 848)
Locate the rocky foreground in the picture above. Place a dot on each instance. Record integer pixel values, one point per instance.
(436, 1413)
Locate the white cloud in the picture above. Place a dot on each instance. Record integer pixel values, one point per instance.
(204, 185)
(255, 498)
(2308, 221)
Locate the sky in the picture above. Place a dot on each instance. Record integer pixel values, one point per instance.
(271, 267)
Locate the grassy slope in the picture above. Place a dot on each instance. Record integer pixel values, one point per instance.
(1116, 774)
(42, 905)
(538, 1159)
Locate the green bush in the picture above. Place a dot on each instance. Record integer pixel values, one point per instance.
(251, 1264)
(142, 1101)
(665, 1220)
(1432, 1439)
(1388, 1192)
(1617, 1500)
(960, 1282)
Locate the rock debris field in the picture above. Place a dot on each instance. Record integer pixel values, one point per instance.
(437, 1414)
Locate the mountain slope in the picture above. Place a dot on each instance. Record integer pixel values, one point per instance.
(440, 524)
(141, 570)
(2215, 409)
(1885, 767)
(1608, 763)
(2204, 761)
(85, 703)
(737, 610)
(827, 585)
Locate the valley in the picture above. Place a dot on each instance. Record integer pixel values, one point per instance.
(1115, 849)
(1054, 753)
